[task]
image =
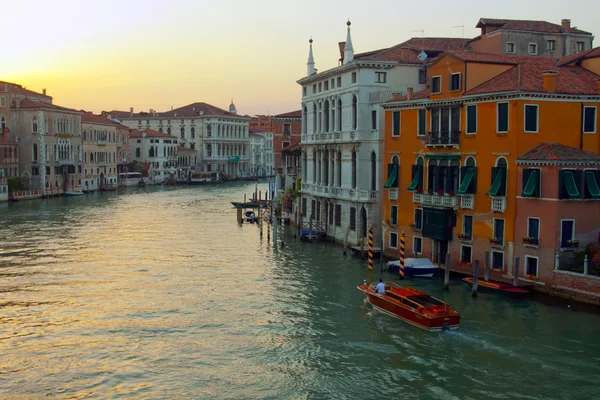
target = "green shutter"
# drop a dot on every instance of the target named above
(530, 187)
(570, 185)
(391, 177)
(591, 184)
(466, 181)
(495, 190)
(416, 180)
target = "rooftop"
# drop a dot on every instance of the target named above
(558, 152)
(16, 88)
(407, 52)
(292, 114)
(528, 26)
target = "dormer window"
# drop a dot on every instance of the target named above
(455, 82)
(532, 49)
(436, 84)
(510, 48)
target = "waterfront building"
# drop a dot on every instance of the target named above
(187, 159)
(157, 148)
(9, 163)
(261, 153)
(341, 134)
(101, 151)
(533, 38)
(452, 181)
(49, 138)
(219, 137)
(287, 131)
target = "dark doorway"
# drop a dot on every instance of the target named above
(363, 217)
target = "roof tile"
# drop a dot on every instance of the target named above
(558, 152)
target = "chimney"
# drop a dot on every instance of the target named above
(44, 92)
(130, 112)
(409, 93)
(566, 25)
(549, 81)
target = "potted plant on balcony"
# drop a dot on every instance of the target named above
(463, 236)
(529, 240)
(495, 241)
(572, 243)
(450, 193)
(419, 190)
(440, 192)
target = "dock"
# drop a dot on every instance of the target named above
(376, 250)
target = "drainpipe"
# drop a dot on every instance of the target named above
(581, 130)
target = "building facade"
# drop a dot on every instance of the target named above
(101, 151)
(261, 153)
(533, 38)
(341, 135)
(157, 148)
(9, 163)
(452, 181)
(287, 131)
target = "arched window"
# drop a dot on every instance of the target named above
(91, 157)
(314, 117)
(304, 166)
(209, 150)
(151, 152)
(304, 119)
(326, 168)
(193, 132)
(353, 169)
(169, 130)
(326, 117)
(165, 151)
(34, 124)
(182, 130)
(35, 152)
(339, 115)
(209, 130)
(339, 169)
(354, 112)
(373, 171)
(470, 162)
(2, 124)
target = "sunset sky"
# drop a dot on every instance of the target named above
(105, 55)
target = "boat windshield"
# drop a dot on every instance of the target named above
(426, 301)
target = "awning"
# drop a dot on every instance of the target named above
(531, 184)
(415, 181)
(570, 185)
(390, 182)
(495, 189)
(466, 182)
(441, 156)
(591, 184)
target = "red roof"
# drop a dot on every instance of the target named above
(527, 76)
(423, 94)
(195, 109)
(27, 103)
(591, 53)
(477, 57)
(134, 133)
(15, 88)
(529, 26)
(292, 114)
(408, 51)
(185, 149)
(558, 152)
(88, 117)
(291, 148)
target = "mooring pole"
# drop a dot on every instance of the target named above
(486, 267)
(447, 272)
(475, 278)
(516, 272)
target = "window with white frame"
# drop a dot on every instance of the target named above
(532, 114)
(417, 245)
(418, 218)
(381, 77)
(510, 47)
(531, 266)
(502, 117)
(393, 240)
(497, 260)
(436, 84)
(2, 101)
(589, 119)
(472, 118)
(394, 215)
(532, 48)
(466, 254)
(467, 228)
(455, 82)
(580, 47)
(551, 45)
(533, 230)
(567, 233)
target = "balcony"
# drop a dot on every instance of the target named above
(443, 139)
(340, 193)
(393, 194)
(417, 197)
(467, 201)
(101, 142)
(499, 204)
(436, 200)
(119, 144)
(65, 162)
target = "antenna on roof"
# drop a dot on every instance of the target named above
(462, 30)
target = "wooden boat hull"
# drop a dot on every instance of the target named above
(440, 322)
(498, 287)
(247, 205)
(73, 194)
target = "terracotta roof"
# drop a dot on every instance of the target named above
(477, 57)
(527, 76)
(258, 129)
(407, 52)
(591, 53)
(117, 114)
(291, 148)
(88, 117)
(185, 149)
(558, 152)
(292, 114)
(27, 103)
(15, 88)
(5, 140)
(195, 109)
(423, 94)
(134, 133)
(525, 25)
(255, 134)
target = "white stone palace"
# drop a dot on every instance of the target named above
(342, 131)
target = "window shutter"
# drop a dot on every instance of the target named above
(526, 173)
(414, 169)
(430, 174)
(397, 180)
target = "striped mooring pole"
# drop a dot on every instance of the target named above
(371, 247)
(402, 253)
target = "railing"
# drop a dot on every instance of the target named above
(102, 163)
(393, 194)
(119, 144)
(498, 204)
(10, 161)
(417, 197)
(438, 200)
(101, 142)
(443, 138)
(467, 201)
(65, 162)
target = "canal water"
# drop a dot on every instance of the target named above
(158, 293)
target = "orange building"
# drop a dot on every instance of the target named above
(287, 131)
(452, 178)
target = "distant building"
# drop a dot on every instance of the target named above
(261, 153)
(9, 163)
(157, 148)
(287, 131)
(534, 38)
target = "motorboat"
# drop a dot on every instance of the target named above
(250, 204)
(412, 306)
(74, 193)
(419, 267)
(250, 216)
(499, 287)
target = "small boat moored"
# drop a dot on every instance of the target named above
(412, 306)
(74, 193)
(419, 267)
(498, 287)
(250, 216)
